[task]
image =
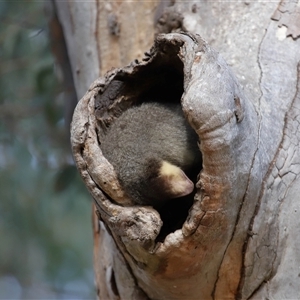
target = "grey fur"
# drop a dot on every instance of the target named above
(140, 139)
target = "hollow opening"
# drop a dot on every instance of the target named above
(173, 214)
(161, 80)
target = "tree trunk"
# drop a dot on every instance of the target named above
(240, 83)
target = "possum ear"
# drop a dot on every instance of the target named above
(174, 181)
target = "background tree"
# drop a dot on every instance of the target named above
(40, 256)
(240, 239)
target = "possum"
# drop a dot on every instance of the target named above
(154, 151)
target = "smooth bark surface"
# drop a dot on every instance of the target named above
(240, 239)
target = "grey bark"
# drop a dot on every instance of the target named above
(241, 95)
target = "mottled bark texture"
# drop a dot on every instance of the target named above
(240, 238)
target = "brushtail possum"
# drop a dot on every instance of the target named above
(154, 151)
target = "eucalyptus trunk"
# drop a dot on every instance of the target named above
(235, 66)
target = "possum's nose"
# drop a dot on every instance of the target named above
(175, 180)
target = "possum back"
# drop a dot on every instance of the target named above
(153, 149)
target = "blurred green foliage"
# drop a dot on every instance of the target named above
(45, 211)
